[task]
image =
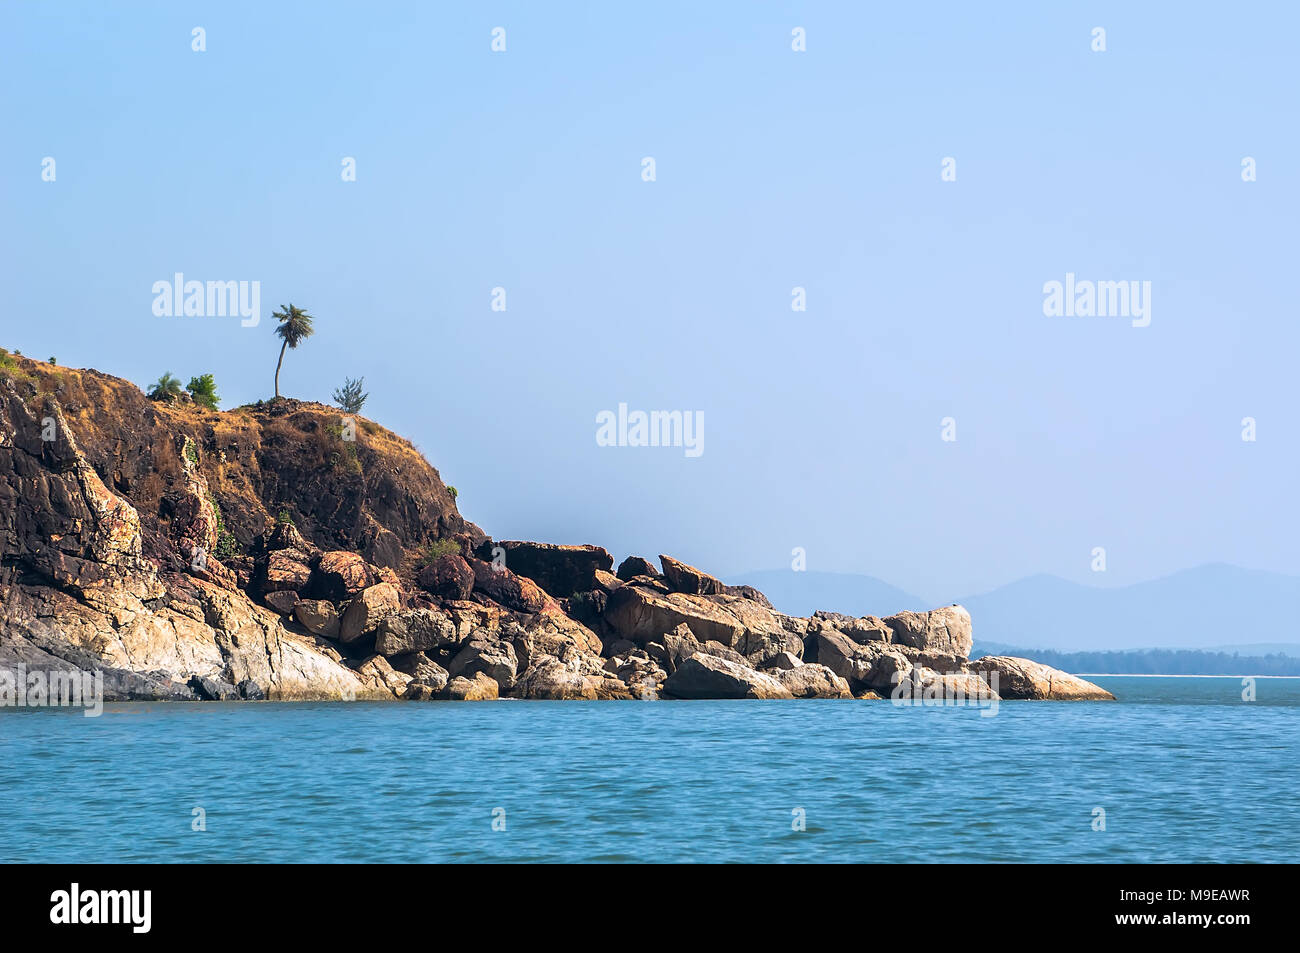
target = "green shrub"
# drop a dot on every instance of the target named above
(439, 547)
(203, 390)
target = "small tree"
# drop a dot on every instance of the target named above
(350, 396)
(167, 388)
(204, 391)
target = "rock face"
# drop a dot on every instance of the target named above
(940, 630)
(254, 554)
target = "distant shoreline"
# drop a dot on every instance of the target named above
(1154, 675)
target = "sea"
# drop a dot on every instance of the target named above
(1178, 769)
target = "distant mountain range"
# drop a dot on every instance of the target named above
(1217, 607)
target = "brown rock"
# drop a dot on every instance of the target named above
(281, 602)
(813, 681)
(940, 630)
(476, 689)
(689, 580)
(1019, 678)
(635, 566)
(511, 590)
(705, 676)
(341, 575)
(560, 570)
(552, 679)
(318, 616)
(370, 607)
(416, 630)
(448, 576)
(287, 569)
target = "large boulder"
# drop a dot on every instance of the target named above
(689, 580)
(448, 576)
(642, 616)
(508, 588)
(494, 658)
(552, 679)
(1020, 678)
(812, 681)
(706, 676)
(341, 575)
(422, 669)
(370, 607)
(635, 566)
(415, 630)
(318, 616)
(480, 688)
(560, 570)
(286, 569)
(940, 630)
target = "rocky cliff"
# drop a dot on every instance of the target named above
(284, 551)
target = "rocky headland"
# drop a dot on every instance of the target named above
(258, 553)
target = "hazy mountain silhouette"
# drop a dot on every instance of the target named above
(1216, 606)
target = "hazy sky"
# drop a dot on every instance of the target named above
(775, 169)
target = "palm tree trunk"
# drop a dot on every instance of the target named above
(277, 369)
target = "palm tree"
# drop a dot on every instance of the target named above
(295, 327)
(167, 388)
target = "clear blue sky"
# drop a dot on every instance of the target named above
(775, 169)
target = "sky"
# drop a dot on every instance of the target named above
(774, 169)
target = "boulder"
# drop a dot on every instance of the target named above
(781, 660)
(1019, 678)
(341, 575)
(635, 566)
(642, 616)
(422, 669)
(940, 630)
(494, 658)
(689, 580)
(509, 589)
(706, 676)
(864, 629)
(415, 630)
(318, 616)
(376, 672)
(813, 681)
(287, 569)
(448, 576)
(285, 535)
(478, 688)
(370, 607)
(638, 672)
(748, 592)
(560, 570)
(552, 679)
(281, 602)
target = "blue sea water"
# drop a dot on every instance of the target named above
(1184, 769)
